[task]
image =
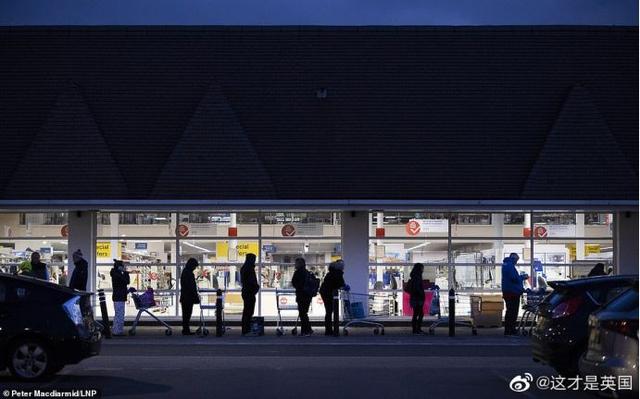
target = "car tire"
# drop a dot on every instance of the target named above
(30, 359)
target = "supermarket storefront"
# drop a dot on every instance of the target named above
(384, 146)
(461, 250)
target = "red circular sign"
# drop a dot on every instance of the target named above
(288, 230)
(283, 300)
(182, 230)
(64, 231)
(540, 232)
(412, 228)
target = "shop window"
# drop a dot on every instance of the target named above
(428, 251)
(133, 224)
(217, 224)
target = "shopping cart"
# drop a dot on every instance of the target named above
(529, 317)
(445, 320)
(144, 303)
(286, 300)
(354, 313)
(208, 298)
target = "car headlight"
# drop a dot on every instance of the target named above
(72, 309)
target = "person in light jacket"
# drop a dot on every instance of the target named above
(250, 288)
(119, 281)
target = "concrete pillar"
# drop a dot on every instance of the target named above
(355, 252)
(626, 242)
(82, 235)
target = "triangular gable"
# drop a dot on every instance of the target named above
(580, 157)
(214, 157)
(68, 151)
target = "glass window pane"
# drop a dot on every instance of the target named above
(135, 251)
(217, 251)
(158, 277)
(410, 224)
(53, 252)
(408, 251)
(488, 225)
(314, 251)
(301, 224)
(136, 224)
(488, 251)
(219, 224)
(24, 225)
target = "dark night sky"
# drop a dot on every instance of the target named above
(318, 12)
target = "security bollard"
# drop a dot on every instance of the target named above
(104, 313)
(336, 313)
(452, 313)
(219, 320)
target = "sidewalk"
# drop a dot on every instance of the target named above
(147, 335)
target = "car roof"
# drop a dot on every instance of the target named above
(42, 283)
(587, 282)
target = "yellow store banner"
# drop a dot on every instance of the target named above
(242, 249)
(103, 249)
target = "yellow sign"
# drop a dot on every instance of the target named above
(242, 249)
(588, 250)
(103, 249)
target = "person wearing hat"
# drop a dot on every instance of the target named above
(250, 288)
(80, 272)
(512, 290)
(333, 281)
(119, 281)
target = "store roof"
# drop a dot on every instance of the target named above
(319, 113)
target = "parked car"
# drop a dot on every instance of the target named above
(44, 326)
(560, 336)
(613, 341)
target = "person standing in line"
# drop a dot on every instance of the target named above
(38, 269)
(512, 290)
(302, 298)
(250, 288)
(416, 297)
(80, 273)
(119, 281)
(334, 280)
(188, 294)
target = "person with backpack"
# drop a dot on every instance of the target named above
(119, 281)
(305, 284)
(334, 280)
(250, 288)
(80, 272)
(415, 290)
(188, 294)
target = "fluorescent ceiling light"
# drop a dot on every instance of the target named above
(196, 247)
(424, 244)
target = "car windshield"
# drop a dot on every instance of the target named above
(625, 302)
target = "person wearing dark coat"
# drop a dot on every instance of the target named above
(416, 297)
(188, 294)
(38, 269)
(250, 288)
(598, 270)
(80, 272)
(119, 282)
(334, 280)
(302, 298)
